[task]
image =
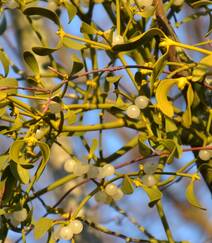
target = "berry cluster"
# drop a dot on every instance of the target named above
(133, 111)
(111, 192)
(149, 169)
(94, 172)
(17, 216)
(67, 232)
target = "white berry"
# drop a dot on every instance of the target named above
(20, 215)
(118, 196)
(111, 189)
(149, 180)
(108, 170)
(76, 226)
(69, 165)
(133, 111)
(204, 155)
(102, 197)
(66, 233)
(141, 102)
(92, 171)
(80, 169)
(150, 167)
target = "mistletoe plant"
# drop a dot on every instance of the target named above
(50, 100)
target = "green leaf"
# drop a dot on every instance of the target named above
(77, 65)
(93, 147)
(31, 62)
(127, 186)
(71, 9)
(46, 154)
(143, 148)
(139, 40)
(170, 125)
(15, 150)
(158, 69)
(88, 29)
(190, 195)
(73, 44)
(43, 51)
(2, 189)
(154, 194)
(44, 12)
(113, 79)
(187, 116)
(71, 117)
(5, 62)
(8, 83)
(3, 24)
(19, 172)
(41, 227)
(207, 61)
(161, 96)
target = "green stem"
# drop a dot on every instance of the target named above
(164, 222)
(87, 128)
(118, 17)
(93, 43)
(185, 46)
(53, 186)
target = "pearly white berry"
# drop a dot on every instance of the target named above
(133, 111)
(210, 151)
(149, 180)
(150, 167)
(102, 197)
(80, 169)
(204, 155)
(76, 226)
(70, 165)
(141, 102)
(65, 233)
(118, 196)
(92, 171)
(111, 189)
(108, 170)
(19, 215)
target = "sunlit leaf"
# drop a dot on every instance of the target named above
(127, 186)
(41, 227)
(77, 65)
(43, 51)
(5, 62)
(6, 85)
(88, 29)
(71, 9)
(186, 118)
(113, 79)
(190, 195)
(161, 96)
(73, 44)
(20, 173)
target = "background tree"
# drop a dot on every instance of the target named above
(105, 121)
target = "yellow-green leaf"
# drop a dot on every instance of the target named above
(5, 62)
(31, 62)
(161, 96)
(127, 186)
(41, 227)
(42, 12)
(73, 44)
(15, 150)
(7, 84)
(187, 116)
(190, 195)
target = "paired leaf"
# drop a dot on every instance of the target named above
(143, 148)
(41, 227)
(43, 51)
(113, 79)
(20, 173)
(15, 150)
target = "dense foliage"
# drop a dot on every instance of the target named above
(165, 98)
